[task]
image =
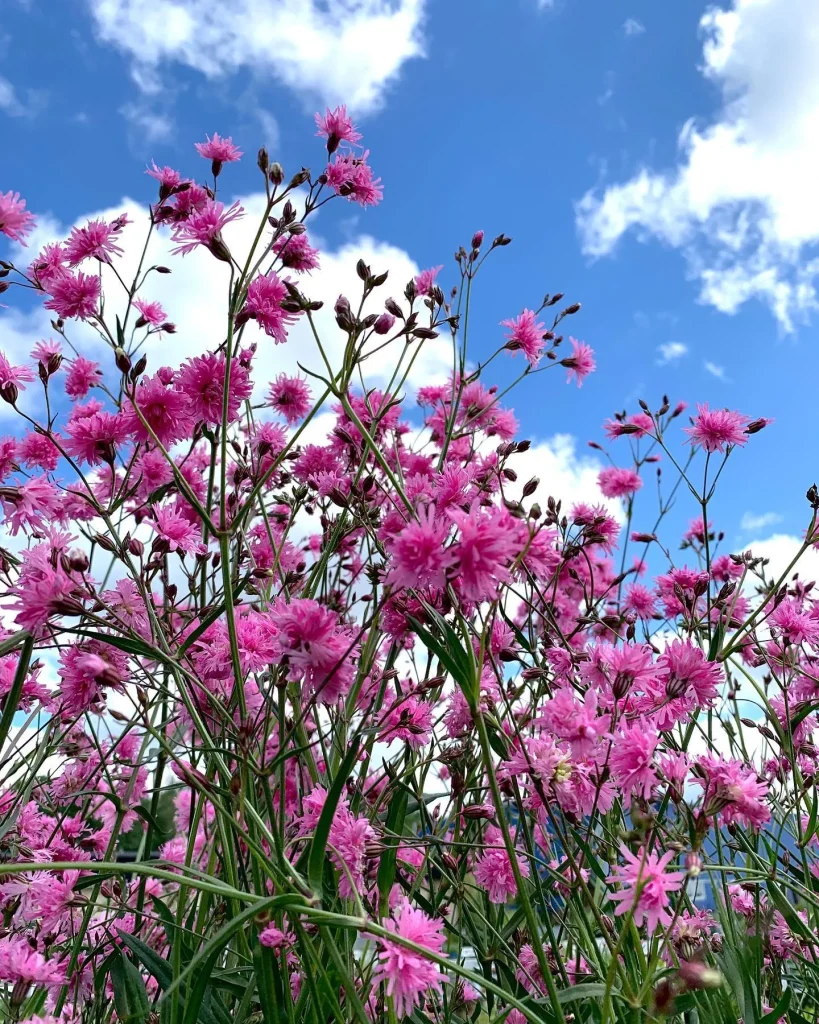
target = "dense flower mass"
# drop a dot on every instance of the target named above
(318, 702)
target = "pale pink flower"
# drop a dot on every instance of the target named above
(178, 532)
(425, 280)
(632, 760)
(646, 886)
(263, 304)
(204, 227)
(94, 240)
(151, 314)
(82, 375)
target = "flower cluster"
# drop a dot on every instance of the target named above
(353, 722)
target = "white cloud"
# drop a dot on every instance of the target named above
(741, 204)
(671, 351)
(751, 522)
(633, 27)
(147, 125)
(564, 475)
(780, 549)
(714, 370)
(194, 298)
(12, 104)
(333, 51)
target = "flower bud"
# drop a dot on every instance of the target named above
(384, 323)
(9, 392)
(122, 360)
(276, 173)
(477, 240)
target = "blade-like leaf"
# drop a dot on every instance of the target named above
(315, 861)
(130, 994)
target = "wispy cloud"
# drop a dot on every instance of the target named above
(671, 351)
(14, 105)
(751, 522)
(633, 27)
(151, 126)
(714, 370)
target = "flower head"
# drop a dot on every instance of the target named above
(264, 297)
(646, 885)
(581, 363)
(337, 127)
(713, 429)
(408, 975)
(219, 150)
(526, 335)
(73, 295)
(15, 220)
(290, 397)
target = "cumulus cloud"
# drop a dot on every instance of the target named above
(780, 549)
(331, 51)
(741, 202)
(671, 352)
(194, 296)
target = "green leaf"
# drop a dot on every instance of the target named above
(130, 995)
(157, 967)
(315, 861)
(269, 986)
(196, 993)
(779, 1010)
(138, 648)
(163, 912)
(11, 643)
(588, 990)
(394, 826)
(14, 694)
(716, 641)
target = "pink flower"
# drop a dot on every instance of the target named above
(167, 177)
(320, 650)
(408, 975)
(616, 482)
(487, 543)
(409, 721)
(526, 335)
(263, 304)
(19, 376)
(202, 379)
(713, 429)
(73, 295)
(20, 964)
(94, 439)
(581, 363)
(493, 870)
(39, 450)
(218, 149)
(290, 397)
(15, 220)
(166, 410)
(636, 425)
(353, 177)
(336, 127)
(646, 887)
(178, 532)
(418, 555)
(684, 667)
(296, 253)
(640, 601)
(204, 227)
(426, 279)
(150, 313)
(82, 375)
(734, 792)
(95, 240)
(632, 760)
(272, 937)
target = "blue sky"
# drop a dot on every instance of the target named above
(644, 156)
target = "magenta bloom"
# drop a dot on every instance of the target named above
(615, 482)
(74, 295)
(646, 885)
(19, 963)
(426, 279)
(713, 429)
(202, 379)
(219, 149)
(419, 557)
(82, 375)
(179, 533)
(581, 363)
(95, 240)
(263, 304)
(296, 253)
(525, 335)
(353, 177)
(337, 127)
(166, 409)
(684, 667)
(408, 975)
(94, 439)
(204, 227)
(151, 314)
(487, 544)
(15, 220)
(493, 870)
(632, 760)
(290, 397)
